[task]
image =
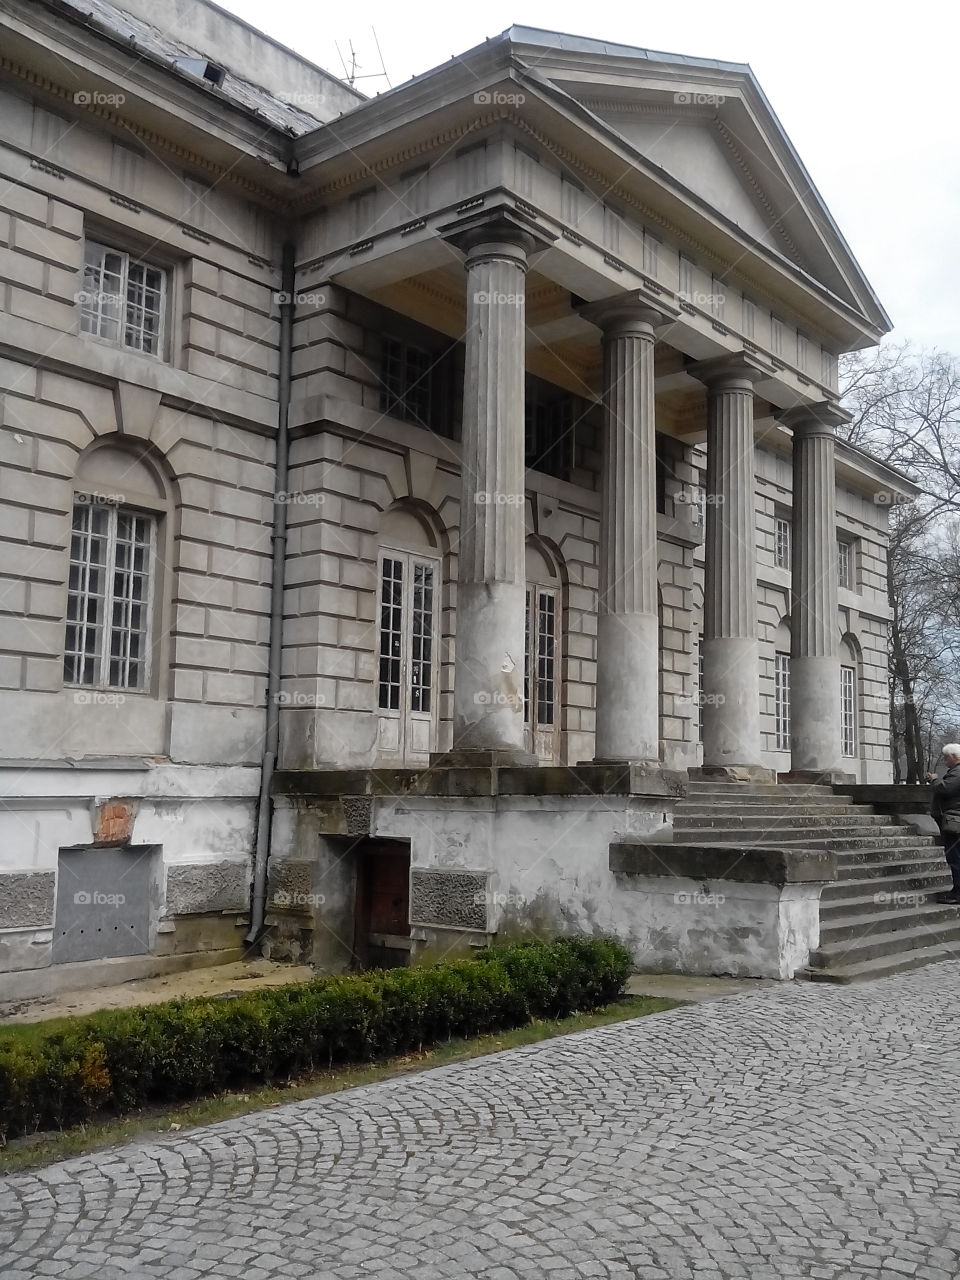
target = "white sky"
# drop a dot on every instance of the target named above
(869, 94)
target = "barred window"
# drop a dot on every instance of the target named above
(123, 299)
(781, 674)
(112, 552)
(406, 377)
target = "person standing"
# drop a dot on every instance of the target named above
(945, 811)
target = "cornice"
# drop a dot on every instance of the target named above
(123, 124)
(758, 192)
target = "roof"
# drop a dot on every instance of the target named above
(166, 47)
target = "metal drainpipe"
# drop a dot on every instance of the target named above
(258, 902)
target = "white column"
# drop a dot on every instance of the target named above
(488, 672)
(628, 640)
(731, 647)
(814, 620)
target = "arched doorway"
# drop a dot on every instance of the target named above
(409, 582)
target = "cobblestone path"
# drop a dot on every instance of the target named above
(800, 1131)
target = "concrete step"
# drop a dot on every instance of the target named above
(885, 918)
(854, 819)
(797, 837)
(739, 790)
(853, 890)
(873, 944)
(881, 966)
(862, 872)
(724, 811)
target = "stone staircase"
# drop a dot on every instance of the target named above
(879, 916)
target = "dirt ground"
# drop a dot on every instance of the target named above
(218, 980)
(243, 976)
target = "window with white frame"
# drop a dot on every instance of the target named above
(651, 254)
(845, 563)
(781, 676)
(700, 688)
(540, 665)
(848, 710)
(749, 318)
(109, 601)
(688, 278)
(123, 300)
(407, 619)
(781, 542)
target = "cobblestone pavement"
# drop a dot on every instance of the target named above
(802, 1131)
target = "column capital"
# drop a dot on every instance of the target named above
(637, 311)
(815, 419)
(730, 370)
(497, 228)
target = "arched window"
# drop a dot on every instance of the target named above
(114, 600)
(781, 687)
(541, 679)
(409, 585)
(849, 698)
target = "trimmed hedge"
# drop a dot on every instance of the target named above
(120, 1060)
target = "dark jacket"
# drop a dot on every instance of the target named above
(946, 797)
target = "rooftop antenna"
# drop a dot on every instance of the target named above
(351, 73)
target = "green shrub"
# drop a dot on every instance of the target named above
(125, 1059)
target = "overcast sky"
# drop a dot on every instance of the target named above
(869, 94)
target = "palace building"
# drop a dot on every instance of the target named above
(404, 498)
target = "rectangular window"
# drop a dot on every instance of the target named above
(844, 564)
(781, 543)
(700, 688)
(848, 710)
(391, 633)
(570, 196)
(109, 597)
(651, 254)
(776, 335)
(123, 299)
(781, 673)
(549, 434)
(540, 665)
(413, 192)
(406, 381)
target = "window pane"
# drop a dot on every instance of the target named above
(391, 597)
(86, 601)
(546, 657)
(421, 626)
(782, 700)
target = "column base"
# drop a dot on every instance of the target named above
(818, 777)
(484, 758)
(733, 773)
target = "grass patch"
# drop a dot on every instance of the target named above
(45, 1148)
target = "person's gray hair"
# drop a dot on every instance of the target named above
(951, 749)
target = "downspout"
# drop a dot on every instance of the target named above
(258, 903)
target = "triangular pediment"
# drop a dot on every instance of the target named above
(708, 127)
